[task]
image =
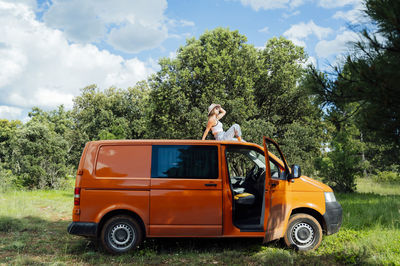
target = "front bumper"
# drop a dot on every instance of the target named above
(333, 217)
(83, 229)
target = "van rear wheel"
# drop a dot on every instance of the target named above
(121, 234)
(304, 232)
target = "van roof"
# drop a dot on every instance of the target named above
(180, 142)
(173, 141)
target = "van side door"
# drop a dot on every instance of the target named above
(186, 191)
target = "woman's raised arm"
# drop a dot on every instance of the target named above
(221, 114)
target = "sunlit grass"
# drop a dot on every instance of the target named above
(367, 185)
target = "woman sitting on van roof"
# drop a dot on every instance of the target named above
(215, 113)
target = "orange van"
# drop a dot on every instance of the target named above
(127, 190)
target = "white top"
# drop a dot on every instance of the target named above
(217, 128)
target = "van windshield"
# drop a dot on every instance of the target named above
(257, 158)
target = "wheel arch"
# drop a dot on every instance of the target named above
(318, 216)
(121, 212)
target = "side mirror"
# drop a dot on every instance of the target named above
(296, 171)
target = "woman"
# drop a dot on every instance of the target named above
(215, 113)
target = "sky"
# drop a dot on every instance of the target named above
(51, 49)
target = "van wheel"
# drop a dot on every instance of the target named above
(121, 234)
(304, 232)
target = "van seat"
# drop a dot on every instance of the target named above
(245, 198)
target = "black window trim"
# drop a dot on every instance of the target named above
(217, 171)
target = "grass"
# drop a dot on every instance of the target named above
(33, 231)
(366, 185)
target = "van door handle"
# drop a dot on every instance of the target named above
(210, 185)
(273, 185)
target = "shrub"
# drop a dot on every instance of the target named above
(7, 179)
(340, 166)
(387, 177)
(39, 156)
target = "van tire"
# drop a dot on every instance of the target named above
(121, 234)
(303, 232)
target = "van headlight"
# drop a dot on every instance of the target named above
(329, 197)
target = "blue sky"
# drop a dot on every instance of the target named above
(49, 50)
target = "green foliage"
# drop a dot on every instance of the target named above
(218, 67)
(7, 130)
(340, 166)
(39, 156)
(36, 154)
(278, 97)
(109, 114)
(7, 179)
(387, 177)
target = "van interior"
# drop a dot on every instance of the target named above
(246, 169)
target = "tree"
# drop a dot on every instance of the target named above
(112, 113)
(276, 86)
(370, 76)
(39, 156)
(7, 130)
(109, 114)
(286, 105)
(339, 167)
(218, 67)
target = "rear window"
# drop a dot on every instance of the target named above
(184, 161)
(123, 161)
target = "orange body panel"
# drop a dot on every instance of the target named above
(116, 175)
(96, 203)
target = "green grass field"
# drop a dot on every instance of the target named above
(33, 231)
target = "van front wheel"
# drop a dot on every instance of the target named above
(304, 232)
(121, 234)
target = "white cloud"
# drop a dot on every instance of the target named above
(296, 3)
(264, 30)
(134, 38)
(11, 113)
(337, 3)
(40, 67)
(173, 23)
(12, 62)
(326, 48)
(265, 4)
(299, 32)
(186, 23)
(129, 26)
(272, 4)
(292, 4)
(288, 15)
(354, 16)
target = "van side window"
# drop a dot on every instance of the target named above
(184, 161)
